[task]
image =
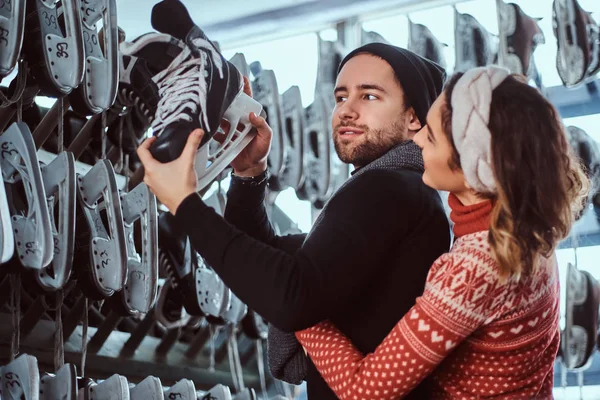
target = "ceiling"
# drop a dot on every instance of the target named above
(234, 21)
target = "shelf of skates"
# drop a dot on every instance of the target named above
(91, 265)
(22, 380)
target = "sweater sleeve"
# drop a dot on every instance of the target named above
(342, 255)
(246, 211)
(456, 302)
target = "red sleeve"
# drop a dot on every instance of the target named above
(453, 305)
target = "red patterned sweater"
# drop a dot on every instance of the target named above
(476, 336)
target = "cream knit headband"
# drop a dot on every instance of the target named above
(470, 102)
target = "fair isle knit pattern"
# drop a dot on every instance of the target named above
(479, 337)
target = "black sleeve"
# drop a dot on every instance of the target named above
(246, 211)
(340, 256)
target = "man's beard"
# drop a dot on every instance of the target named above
(374, 144)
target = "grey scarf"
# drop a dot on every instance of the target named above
(287, 359)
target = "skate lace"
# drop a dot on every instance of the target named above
(183, 85)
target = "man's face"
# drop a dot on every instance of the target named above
(369, 117)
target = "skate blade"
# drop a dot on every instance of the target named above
(574, 338)
(209, 166)
(12, 24)
(265, 91)
(184, 390)
(425, 44)
(100, 83)
(140, 291)
(62, 53)
(317, 151)
(570, 61)
(59, 183)
(32, 232)
(61, 386)
(239, 62)
(149, 389)
(21, 379)
(97, 191)
(468, 53)
(236, 312)
(507, 24)
(213, 297)
(294, 121)
(7, 238)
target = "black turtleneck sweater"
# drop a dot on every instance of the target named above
(362, 266)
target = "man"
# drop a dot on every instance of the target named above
(367, 256)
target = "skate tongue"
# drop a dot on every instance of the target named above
(171, 17)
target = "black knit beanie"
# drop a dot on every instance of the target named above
(421, 79)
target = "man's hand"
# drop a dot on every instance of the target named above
(174, 181)
(252, 161)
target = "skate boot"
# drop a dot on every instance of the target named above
(101, 249)
(59, 184)
(98, 90)
(137, 97)
(581, 315)
(175, 257)
(198, 90)
(21, 379)
(474, 45)
(31, 221)
(12, 25)
(61, 386)
(169, 310)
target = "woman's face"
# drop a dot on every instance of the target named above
(437, 153)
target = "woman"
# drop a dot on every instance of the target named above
(487, 322)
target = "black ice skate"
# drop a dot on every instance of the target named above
(199, 89)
